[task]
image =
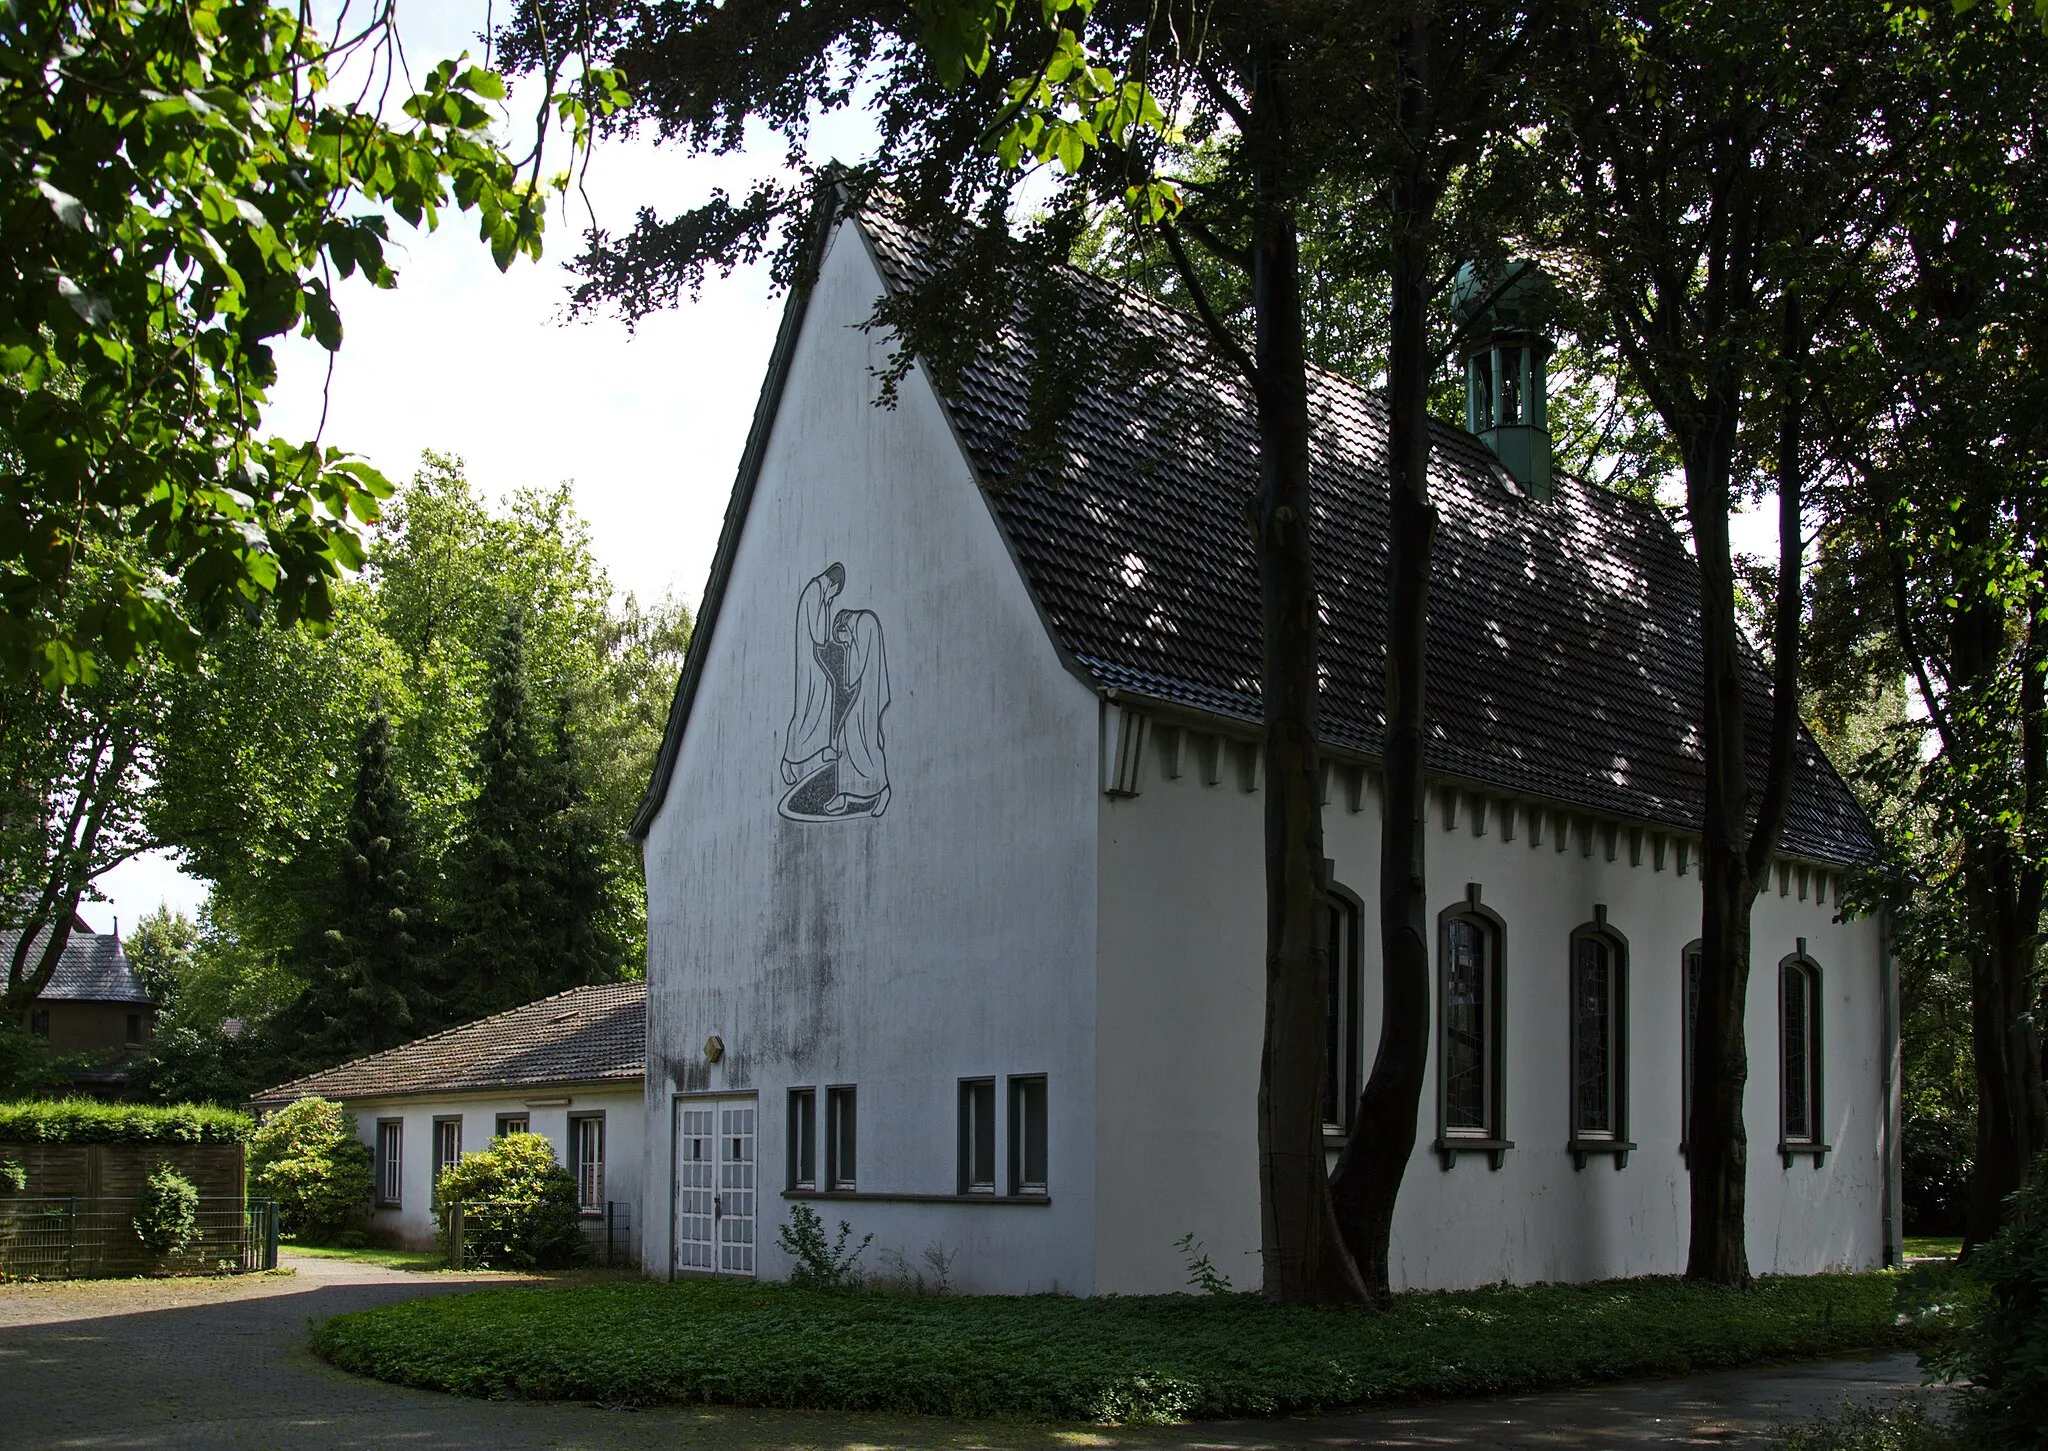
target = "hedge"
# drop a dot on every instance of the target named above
(89, 1121)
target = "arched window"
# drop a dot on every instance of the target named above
(1341, 1082)
(1471, 1061)
(1599, 1042)
(1799, 1058)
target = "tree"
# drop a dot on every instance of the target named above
(503, 873)
(1713, 169)
(368, 987)
(180, 187)
(253, 782)
(72, 774)
(1939, 539)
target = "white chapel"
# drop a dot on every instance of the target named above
(953, 853)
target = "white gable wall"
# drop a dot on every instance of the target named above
(952, 935)
(1181, 1017)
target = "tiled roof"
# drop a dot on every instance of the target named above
(93, 969)
(585, 1035)
(1564, 642)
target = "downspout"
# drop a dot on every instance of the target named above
(1888, 1053)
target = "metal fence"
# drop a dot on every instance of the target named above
(76, 1239)
(470, 1229)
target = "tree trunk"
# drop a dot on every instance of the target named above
(1717, 1144)
(2004, 1003)
(1304, 1257)
(1368, 1176)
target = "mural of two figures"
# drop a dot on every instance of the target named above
(833, 761)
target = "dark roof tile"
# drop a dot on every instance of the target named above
(1564, 640)
(585, 1035)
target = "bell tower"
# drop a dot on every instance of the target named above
(1506, 354)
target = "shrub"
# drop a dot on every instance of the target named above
(13, 1177)
(88, 1121)
(307, 1157)
(819, 1265)
(520, 1205)
(167, 1212)
(1908, 1424)
(2003, 1351)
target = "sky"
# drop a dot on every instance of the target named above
(645, 424)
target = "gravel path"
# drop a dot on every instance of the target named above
(206, 1363)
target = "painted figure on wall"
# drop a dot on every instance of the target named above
(833, 758)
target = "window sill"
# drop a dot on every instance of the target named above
(1583, 1149)
(876, 1197)
(1451, 1145)
(1815, 1151)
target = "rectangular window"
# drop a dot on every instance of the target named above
(803, 1138)
(447, 1148)
(135, 1027)
(1027, 1134)
(512, 1123)
(39, 1022)
(977, 1136)
(390, 1161)
(586, 1154)
(1468, 1030)
(842, 1162)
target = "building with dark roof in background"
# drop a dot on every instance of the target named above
(567, 1067)
(954, 847)
(94, 1009)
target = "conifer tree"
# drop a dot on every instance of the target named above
(502, 873)
(369, 988)
(586, 943)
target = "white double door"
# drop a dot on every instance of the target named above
(715, 1184)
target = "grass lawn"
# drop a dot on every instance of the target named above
(1112, 1359)
(389, 1259)
(1917, 1245)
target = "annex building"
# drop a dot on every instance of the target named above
(954, 861)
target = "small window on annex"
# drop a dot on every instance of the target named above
(390, 1161)
(1341, 917)
(586, 1160)
(134, 1028)
(1027, 1134)
(977, 1136)
(1599, 1042)
(842, 1163)
(447, 1146)
(1799, 1056)
(1471, 1056)
(39, 1022)
(803, 1138)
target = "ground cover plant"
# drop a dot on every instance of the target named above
(386, 1259)
(1111, 1359)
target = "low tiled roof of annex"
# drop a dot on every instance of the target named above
(1564, 636)
(93, 969)
(585, 1035)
